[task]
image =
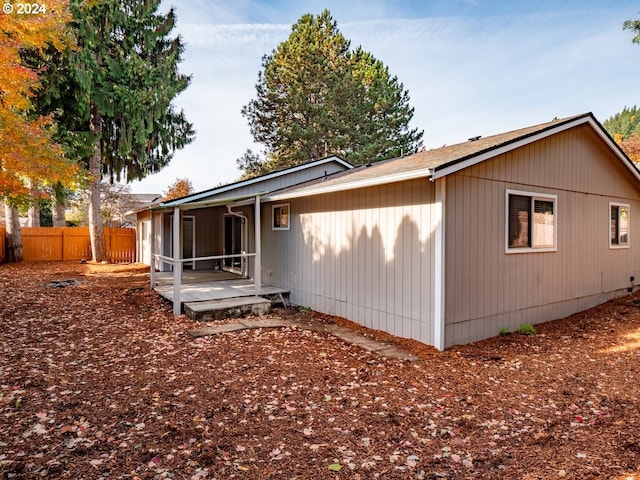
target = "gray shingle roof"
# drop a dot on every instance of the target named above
(441, 161)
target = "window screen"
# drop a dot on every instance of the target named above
(531, 222)
(619, 225)
(519, 224)
(281, 217)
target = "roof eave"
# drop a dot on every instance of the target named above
(460, 164)
(207, 203)
(225, 188)
(369, 182)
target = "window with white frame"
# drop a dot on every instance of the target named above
(619, 225)
(531, 222)
(280, 217)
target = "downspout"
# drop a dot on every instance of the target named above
(177, 262)
(152, 244)
(257, 274)
(245, 235)
(439, 326)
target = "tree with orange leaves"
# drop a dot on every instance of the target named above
(180, 188)
(28, 155)
(631, 146)
(624, 127)
(26, 148)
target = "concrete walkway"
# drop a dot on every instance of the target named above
(380, 348)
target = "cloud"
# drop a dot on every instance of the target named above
(471, 68)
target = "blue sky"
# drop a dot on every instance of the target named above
(471, 67)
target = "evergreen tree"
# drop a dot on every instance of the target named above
(317, 97)
(624, 124)
(113, 95)
(634, 26)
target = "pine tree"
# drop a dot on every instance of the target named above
(317, 97)
(125, 74)
(623, 124)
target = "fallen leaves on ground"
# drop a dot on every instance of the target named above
(99, 380)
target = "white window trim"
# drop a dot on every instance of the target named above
(273, 213)
(534, 196)
(614, 246)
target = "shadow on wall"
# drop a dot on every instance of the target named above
(374, 267)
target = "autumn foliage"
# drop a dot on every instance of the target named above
(631, 147)
(180, 188)
(27, 151)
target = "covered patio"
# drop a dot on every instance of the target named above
(181, 286)
(204, 286)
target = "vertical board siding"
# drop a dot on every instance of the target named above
(488, 289)
(365, 254)
(73, 243)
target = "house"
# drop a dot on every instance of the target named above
(218, 222)
(449, 246)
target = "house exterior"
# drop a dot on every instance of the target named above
(219, 221)
(449, 246)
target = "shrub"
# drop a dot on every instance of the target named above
(526, 329)
(504, 331)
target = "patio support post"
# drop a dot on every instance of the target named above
(177, 264)
(257, 273)
(152, 268)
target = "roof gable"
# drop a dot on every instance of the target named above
(255, 182)
(440, 162)
(502, 143)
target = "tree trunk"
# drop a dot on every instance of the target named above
(33, 216)
(59, 214)
(14, 234)
(58, 207)
(96, 233)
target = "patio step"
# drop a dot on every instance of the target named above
(227, 308)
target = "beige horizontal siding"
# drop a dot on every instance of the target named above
(365, 255)
(487, 289)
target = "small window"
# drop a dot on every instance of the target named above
(618, 225)
(531, 222)
(281, 217)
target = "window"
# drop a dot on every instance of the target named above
(281, 217)
(618, 225)
(531, 222)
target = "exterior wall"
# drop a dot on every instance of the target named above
(488, 289)
(209, 221)
(143, 237)
(209, 234)
(366, 255)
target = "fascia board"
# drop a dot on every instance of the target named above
(369, 182)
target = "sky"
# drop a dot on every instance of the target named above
(471, 67)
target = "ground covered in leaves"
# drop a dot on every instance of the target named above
(99, 380)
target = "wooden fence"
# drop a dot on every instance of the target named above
(3, 235)
(72, 243)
